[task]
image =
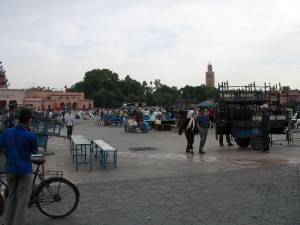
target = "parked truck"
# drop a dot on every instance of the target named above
(237, 112)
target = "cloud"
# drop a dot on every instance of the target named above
(161, 39)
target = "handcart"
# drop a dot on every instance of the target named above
(44, 128)
(130, 125)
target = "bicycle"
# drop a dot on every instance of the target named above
(55, 197)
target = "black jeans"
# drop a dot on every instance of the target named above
(221, 138)
(265, 138)
(69, 130)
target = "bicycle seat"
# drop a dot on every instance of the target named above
(38, 161)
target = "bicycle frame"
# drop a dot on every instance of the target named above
(36, 175)
(2, 182)
(48, 192)
(41, 176)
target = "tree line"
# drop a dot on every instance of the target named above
(108, 90)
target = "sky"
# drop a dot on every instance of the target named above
(54, 43)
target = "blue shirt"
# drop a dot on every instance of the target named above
(203, 120)
(19, 143)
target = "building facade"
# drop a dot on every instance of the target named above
(41, 99)
(289, 97)
(10, 98)
(210, 76)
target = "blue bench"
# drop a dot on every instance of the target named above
(102, 150)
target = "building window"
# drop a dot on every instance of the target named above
(12, 105)
(3, 104)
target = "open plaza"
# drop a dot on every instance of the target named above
(157, 182)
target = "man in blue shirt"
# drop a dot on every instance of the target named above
(19, 143)
(202, 124)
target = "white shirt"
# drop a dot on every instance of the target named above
(69, 119)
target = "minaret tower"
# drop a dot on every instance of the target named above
(210, 76)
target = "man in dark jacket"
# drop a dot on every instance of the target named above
(265, 127)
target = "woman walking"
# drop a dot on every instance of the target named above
(190, 129)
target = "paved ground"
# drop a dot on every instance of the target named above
(225, 186)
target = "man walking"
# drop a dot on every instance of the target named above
(222, 129)
(69, 121)
(202, 124)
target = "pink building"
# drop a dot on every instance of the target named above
(9, 98)
(290, 96)
(40, 99)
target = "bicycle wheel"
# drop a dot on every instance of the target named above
(2, 204)
(57, 197)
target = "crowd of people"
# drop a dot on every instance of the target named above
(143, 118)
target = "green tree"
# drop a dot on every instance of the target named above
(165, 95)
(285, 88)
(3, 79)
(197, 94)
(107, 90)
(100, 85)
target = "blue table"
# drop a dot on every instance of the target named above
(81, 150)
